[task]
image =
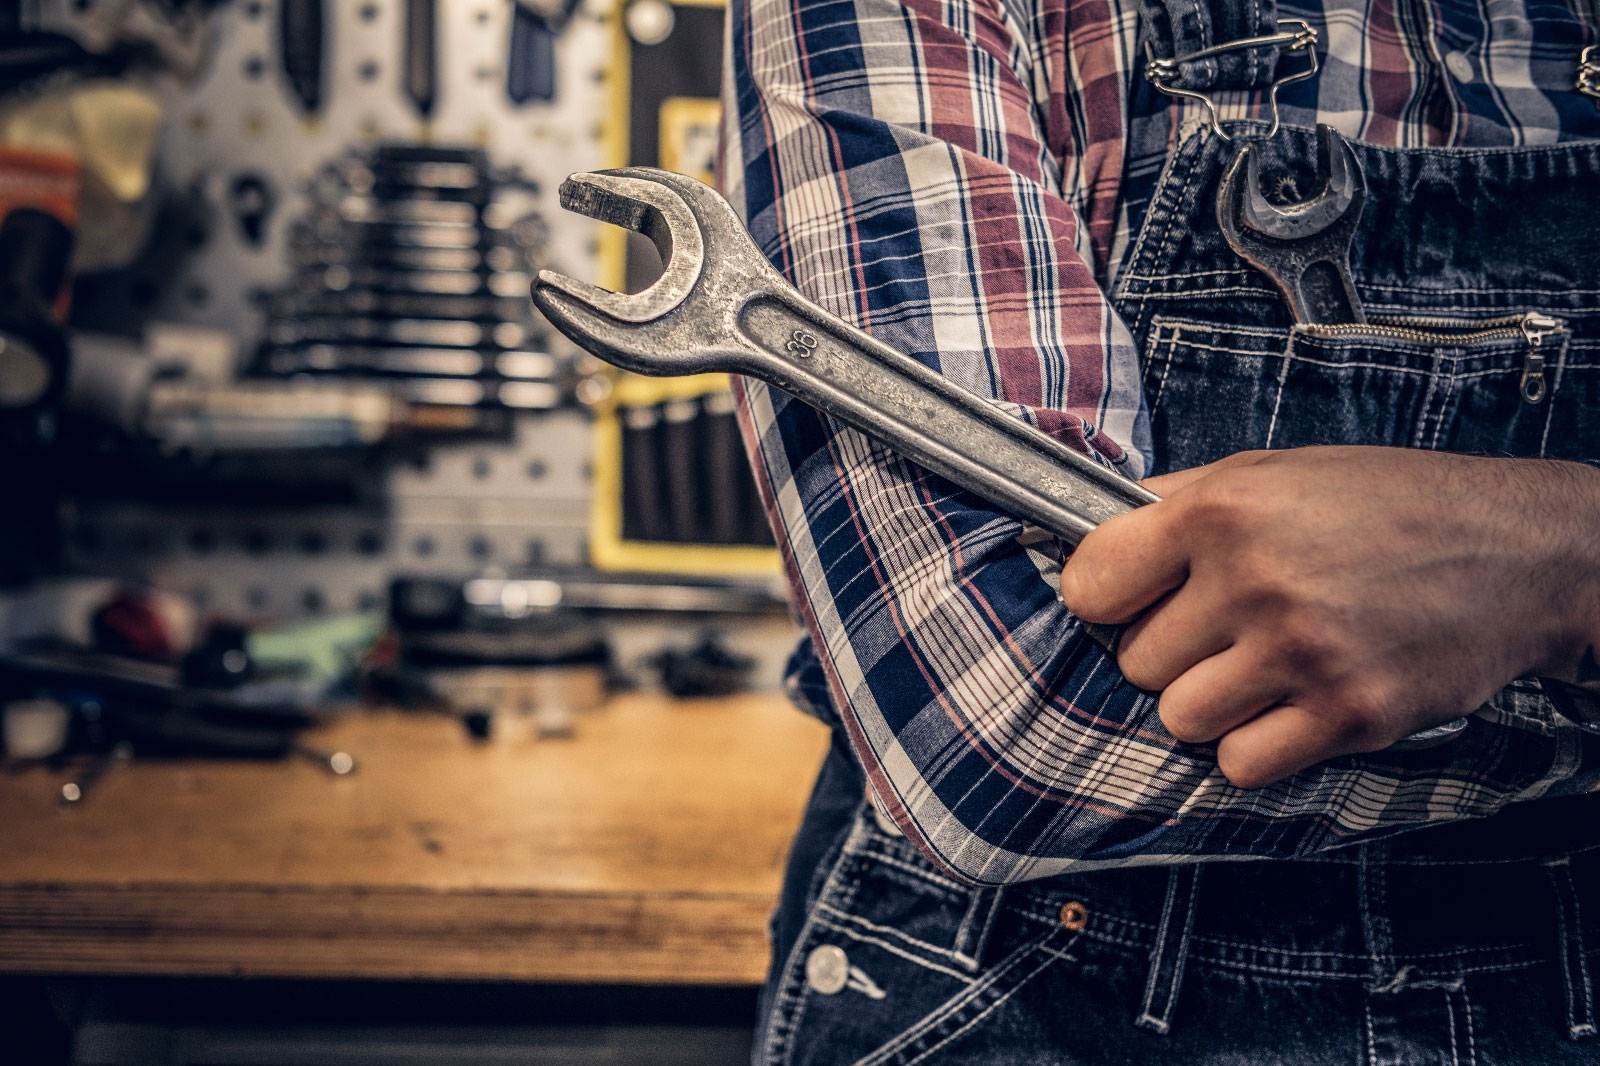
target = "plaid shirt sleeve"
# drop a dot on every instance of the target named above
(944, 173)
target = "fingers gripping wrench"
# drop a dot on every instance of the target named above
(720, 306)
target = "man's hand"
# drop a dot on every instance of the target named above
(1304, 604)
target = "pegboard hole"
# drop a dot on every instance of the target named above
(369, 600)
(422, 546)
(256, 597)
(311, 599)
(257, 541)
(253, 9)
(313, 542)
(535, 551)
(481, 469)
(254, 67)
(480, 548)
(537, 470)
(368, 71)
(202, 541)
(369, 543)
(369, 12)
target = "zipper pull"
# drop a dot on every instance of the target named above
(1535, 327)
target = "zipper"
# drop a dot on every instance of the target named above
(1531, 327)
(1535, 327)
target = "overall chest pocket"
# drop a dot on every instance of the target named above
(1489, 386)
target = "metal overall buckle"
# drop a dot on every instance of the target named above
(1294, 35)
(1589, 71)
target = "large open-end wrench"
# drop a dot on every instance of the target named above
(720, 306)
(1303, 247)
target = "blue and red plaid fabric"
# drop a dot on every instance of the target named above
(960, 178)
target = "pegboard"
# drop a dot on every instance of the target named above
(460, 509)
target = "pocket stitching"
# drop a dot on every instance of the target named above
(883, 945)
(972, 996)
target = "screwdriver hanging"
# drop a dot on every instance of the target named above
(420, 72)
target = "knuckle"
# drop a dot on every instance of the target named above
(1361, 717)
(1309, 642)
(1140, 670)
(1224, 502)
(1184, 723)
(1241, 772)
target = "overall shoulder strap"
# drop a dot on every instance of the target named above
(1179, 29)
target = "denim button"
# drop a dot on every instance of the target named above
(827, 969)
(1460, 66)
(1074, 915)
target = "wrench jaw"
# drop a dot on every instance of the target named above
(664, 329)
(1303, 248)
(581, 312)
(1342, 187)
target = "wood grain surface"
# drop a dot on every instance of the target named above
(647, 848)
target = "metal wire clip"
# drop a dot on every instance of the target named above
(1294, 35)
(1589, 71)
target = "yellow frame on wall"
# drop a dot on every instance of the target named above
(607, 548)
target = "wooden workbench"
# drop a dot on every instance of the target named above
(647, 849)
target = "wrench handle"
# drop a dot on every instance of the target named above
(891, 397)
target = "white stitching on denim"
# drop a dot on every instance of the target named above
(963, 998)
(975, 954)
(959, 951)
(1472, 1029)
(1157, 950)
(1583, 958)
(1223, 273)
(1277, 402)
(1558, 869)
(1372, 1043)
(1450, 1015)
(927, 875)
(909, 1037)
(1163, 345)
(1555, 389)
(838, 916)
(891, 948)
(1164, 256)
(1145, 231)
(1183, 943)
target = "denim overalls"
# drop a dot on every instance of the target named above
(1468, 944)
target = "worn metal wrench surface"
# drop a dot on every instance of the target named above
(720, 306)
(1303, 247)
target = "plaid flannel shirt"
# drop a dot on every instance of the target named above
(960, 177)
